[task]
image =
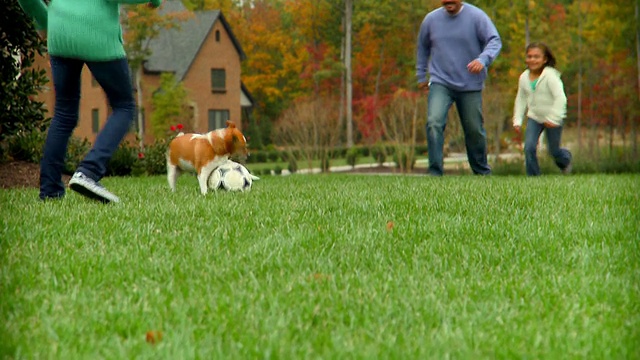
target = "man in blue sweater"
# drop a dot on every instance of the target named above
(457, 43)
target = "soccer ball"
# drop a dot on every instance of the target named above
(231, 176)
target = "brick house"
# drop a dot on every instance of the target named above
(202, 53)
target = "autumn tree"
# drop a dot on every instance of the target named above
(310, 127)
(170, 104)
(402, 118)
(142, 24)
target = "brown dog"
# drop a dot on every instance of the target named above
(202, 153)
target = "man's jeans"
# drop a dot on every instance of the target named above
(561, 156)
(469, 105)
(115, 79)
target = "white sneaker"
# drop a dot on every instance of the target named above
(90, 188)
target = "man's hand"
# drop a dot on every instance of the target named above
(424, 86)
(475, 67)
(549, 124)
(517, 128)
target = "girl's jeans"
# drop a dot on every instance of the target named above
(561, 156)
(115, 79)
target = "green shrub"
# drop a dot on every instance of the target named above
(352, 156)
(277, 170)
(273, 155)
(365, 151)
(76, 151)
(404, 159)
(339, 152)
(260, 157)
(378, 154)
(123, 160)
(421, 150)
(26, 145)
(155, 157)
(292, 165)
(20, 112)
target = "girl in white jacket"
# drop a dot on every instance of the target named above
(541, 95)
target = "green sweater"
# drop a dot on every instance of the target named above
(81, 29)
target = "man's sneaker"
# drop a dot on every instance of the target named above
(90, 188)
(567, 170)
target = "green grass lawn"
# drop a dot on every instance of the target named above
(327, 266)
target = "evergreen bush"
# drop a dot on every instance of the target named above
(18, 83)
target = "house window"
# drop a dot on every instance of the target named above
(218, 80)
(218, 119)
(217, 35)
(95, 120)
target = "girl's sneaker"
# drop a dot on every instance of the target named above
(90, 188)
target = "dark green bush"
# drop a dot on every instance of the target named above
(421, 150)
(26, 145)
(365, 151)
(292, 165)
(379, 154)
(20, 113)
(277, 170)
(273, 155)
(260, 157)
(352, 156)
(123, 160)
(155, 157)
(76, 151)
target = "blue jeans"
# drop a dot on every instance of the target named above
(469, 105)
(115, 79)
(561, 156)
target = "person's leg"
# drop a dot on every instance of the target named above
(66, 84)
(531, 137)
(439, 102)
(469, 105)
(561, 156)
(114, 78)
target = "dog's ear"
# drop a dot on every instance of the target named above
(231, 124)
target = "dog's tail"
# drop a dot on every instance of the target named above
(253, 177)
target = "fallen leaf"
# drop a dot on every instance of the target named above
(154, 336)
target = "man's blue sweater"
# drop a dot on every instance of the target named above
(447, 43)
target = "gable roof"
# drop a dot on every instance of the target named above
(246, 99)
(174, 50)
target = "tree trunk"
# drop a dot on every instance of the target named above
(347, 65)
(638, 44)
(342, 89)
(579, 76)
(634, 121)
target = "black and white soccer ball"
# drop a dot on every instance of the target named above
(231, 176)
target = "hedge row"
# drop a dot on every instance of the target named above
(130, 160)
(272, 155)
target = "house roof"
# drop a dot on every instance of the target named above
(246, 99)
(174, 50)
